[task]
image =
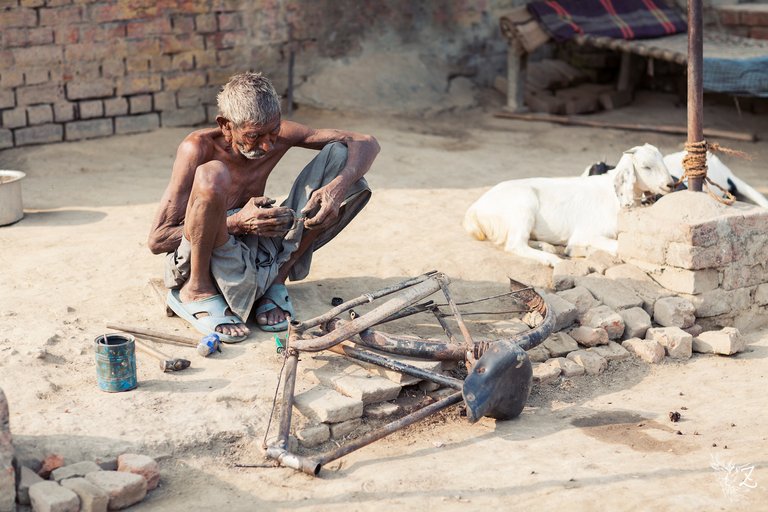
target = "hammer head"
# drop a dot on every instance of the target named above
(174, 365)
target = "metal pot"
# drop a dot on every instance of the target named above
(11, 209)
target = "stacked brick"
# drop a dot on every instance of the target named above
(708, 253)
(745, 20)
(72, 70)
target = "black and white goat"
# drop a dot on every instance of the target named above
(575, 211)
(717, 171)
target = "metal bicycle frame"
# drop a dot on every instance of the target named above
(488, 361)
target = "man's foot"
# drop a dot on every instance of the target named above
(187, 295)
(273, 308)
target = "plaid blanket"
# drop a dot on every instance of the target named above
(619, 19)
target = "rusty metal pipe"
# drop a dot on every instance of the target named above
(407, 298)
(286, 407)
(293, 461)
(412, 347)
(363, 299)
(389, 428)
(398, 366)
(695, 82)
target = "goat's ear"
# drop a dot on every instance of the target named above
(631, 151)
(624, 184)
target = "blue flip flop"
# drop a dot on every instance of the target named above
(278, 294)
(216, 308)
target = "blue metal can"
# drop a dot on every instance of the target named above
(115, 362)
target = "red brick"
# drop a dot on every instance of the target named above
(11, 78)
(184, 6)
(728, 16)
(183, 24)
(206, 23)
(115, 107)
(7, 98)
(59, 3)
(86, 89)
(140, 465)
(40, 134)
(754, 15)
(183, 61)
(136, 47)
(103, 32)
(136, 65)
(137, 124)
(140, 104)
(90, 109)
(226, 58)
(184, 116)
(33, 76)
(112, 68)
(152, 27)
(165, 100)
(32, 3)
(39, 114)
(92, 52)
(81, 70)
(35, 94)
(63, 111)
(159, 63)
(61, 15)
(15, 37)
(78, 130)
(6, 59)
(123, 10)
(37, 55)
(138, 84)
(15, 118)
(204, 59)
(66, 35)
(227, 5)
(177, 81)
(189, 97)
(230, 21)
(51, 462)
(18, 18)
(758, 32)
(181, 43)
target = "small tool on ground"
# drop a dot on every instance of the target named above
(208, 345)
(167, 364)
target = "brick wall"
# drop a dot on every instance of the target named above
(77, 69)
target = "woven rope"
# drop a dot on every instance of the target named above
(695, 165)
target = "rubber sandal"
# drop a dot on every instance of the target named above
(278, 294)
(216, 308)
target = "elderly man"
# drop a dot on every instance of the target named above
(229, 248)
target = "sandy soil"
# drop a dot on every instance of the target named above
(79, 259)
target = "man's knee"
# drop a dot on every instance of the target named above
(337, 153)
(211, 178)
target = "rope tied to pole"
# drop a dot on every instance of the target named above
(695, 165)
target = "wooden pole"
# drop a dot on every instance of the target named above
(695, 84)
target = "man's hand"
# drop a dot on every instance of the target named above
(258, 217)
(323, 206)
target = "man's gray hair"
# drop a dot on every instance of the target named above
(248, 97)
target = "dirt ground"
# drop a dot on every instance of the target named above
(79, 260)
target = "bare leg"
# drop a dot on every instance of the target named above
(277, 315)
(205, 226)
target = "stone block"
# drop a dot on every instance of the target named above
(579, 297)
(47, 496)
(726, 341)
(565, 312)
(641, 247)
(312, 436)
(137, 124)
(39, 114)
(676, 342)
(381, 410)
(720, 302)
(115, 107)
(636, 322)
(36, 94)
(6, 138)
(694, 330)
(742, 275)
(605, 318)
(7, 454)
(89, 89)
(611, 293)
(63, 111)
(674, 312)
(41, 134)
(124, 489)
(611, 352)
(600, 261)
(564, 271)
(27, 478)
(531, 273)
(510, 327)
(183, 116)
(593, 363)
(92, 498)
(78, 130)
(90, 109)
(327, 406)
(589, 336)
(649, 351)
(695, 258)
(15, 118)
(7, 98)
(140, 104)
(567, 367)
(538, 354)
(761, 294)
(355, 382)
(107, 463)
(544, 372)
(79, 469)
(691, 282)
(639, 282)
(559, 344)
(344, 428)
(140, 465)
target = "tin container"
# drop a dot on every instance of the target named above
(11, 209)
(115, 362)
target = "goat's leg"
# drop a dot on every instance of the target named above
(580, 243)
(520, 222)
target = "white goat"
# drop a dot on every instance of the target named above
(719, 173)
(577, 211)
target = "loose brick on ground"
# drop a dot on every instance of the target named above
(344, 428)
(92, 498)
(589, 336)
(611, 352)
(568, 368)
(74, 470)
(674, 312)
(544, 372)
(611, 293)
(355, 382)
(47, 496)
(726, 341)
(559, 344)
(579, 297)
(605, 318)
(381, 410)
(314, 435)
(593, 363)
(328, 406)
(538, 354)
(124, 489)
(636, 322)
(649, 351)
(140, 465)
(676, 342)
(27, 478)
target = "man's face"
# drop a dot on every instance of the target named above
(254, 141)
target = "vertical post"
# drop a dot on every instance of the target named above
(517, 62)
(695, 85)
